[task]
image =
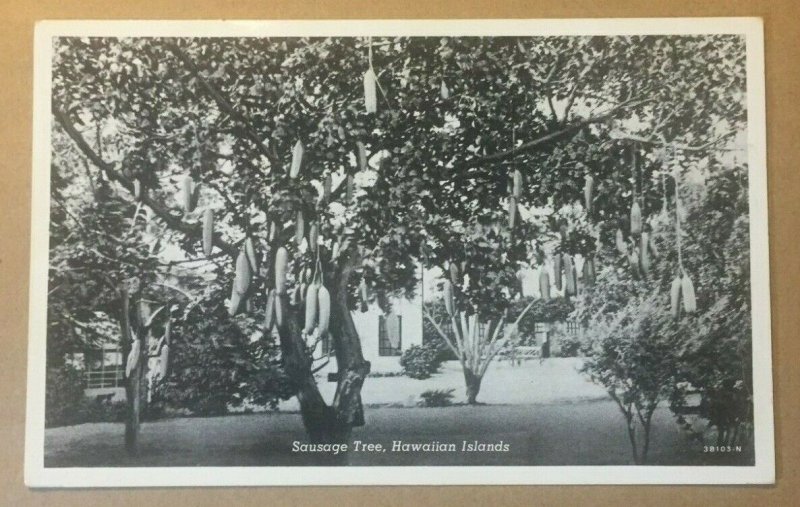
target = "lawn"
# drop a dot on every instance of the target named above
(552, 417)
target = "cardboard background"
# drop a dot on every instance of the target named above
(782, 41)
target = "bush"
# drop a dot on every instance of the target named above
(102, 409)
(421, 361)
(63, 396)
(437, 398)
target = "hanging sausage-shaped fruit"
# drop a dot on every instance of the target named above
(243, 273)
(517, 185)
(370, 92)
(299, 228)
(619, 241)
(208, 232)
(361, 155)
(687, 291)
(324, 301)
(235, 301)
(675, 296)
(644, 252)
(313, 237)
(188, 187)
(557, 270)
(588, 192)
(571, 288)
(311, 308)
(447, 294)
(636, 219)
(297, 159)
(281, 259)
(363, 293)
(252, 258)
(544, 284)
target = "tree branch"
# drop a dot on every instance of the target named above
(166, 214)
(226, 106)
(544, 139)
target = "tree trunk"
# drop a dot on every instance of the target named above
(353, 369)
(133, 383)
(133, 392)
(324, 423)
(473, 382)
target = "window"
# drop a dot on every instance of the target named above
(103, 368)
(390, 332)
(573, 329)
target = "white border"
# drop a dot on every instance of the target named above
(36, 475)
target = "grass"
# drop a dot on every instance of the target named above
(552, 417)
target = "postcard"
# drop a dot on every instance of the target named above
(399, 252)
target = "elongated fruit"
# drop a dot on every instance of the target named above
(455, 276)
(512, 213)
(208, 232)
(133, 357)
(324, 301)
(313, 236)
(137, 189)
(588, 192)
(297, 159)
(544, 284)
(195, 196)
(235, 302)
(280, 311)
(644, 253)
(188, 186)
(557, 271)
(447, 294)
(243, 272)
(163, 362)
(362, 156)
(299, 227)
(636, 218)
(588, 272)
(269, 311)
(620, 242)
(675, 296)
(687, 289)
(364, 295)
(281, 258)
(311, 308)
(370, 95)
(250, 250)
(444, 92)
(633, 260)
(273, 230)
(569, 270)
(517, 189)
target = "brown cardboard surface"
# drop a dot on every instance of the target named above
(782, 40)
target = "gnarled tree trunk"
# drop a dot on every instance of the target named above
(323, 422)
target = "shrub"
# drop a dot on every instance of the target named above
(437, 398)
(421, 361)
(64, 396)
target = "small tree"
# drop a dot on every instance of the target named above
(635, 360)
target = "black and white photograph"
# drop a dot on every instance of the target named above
(399, 252)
